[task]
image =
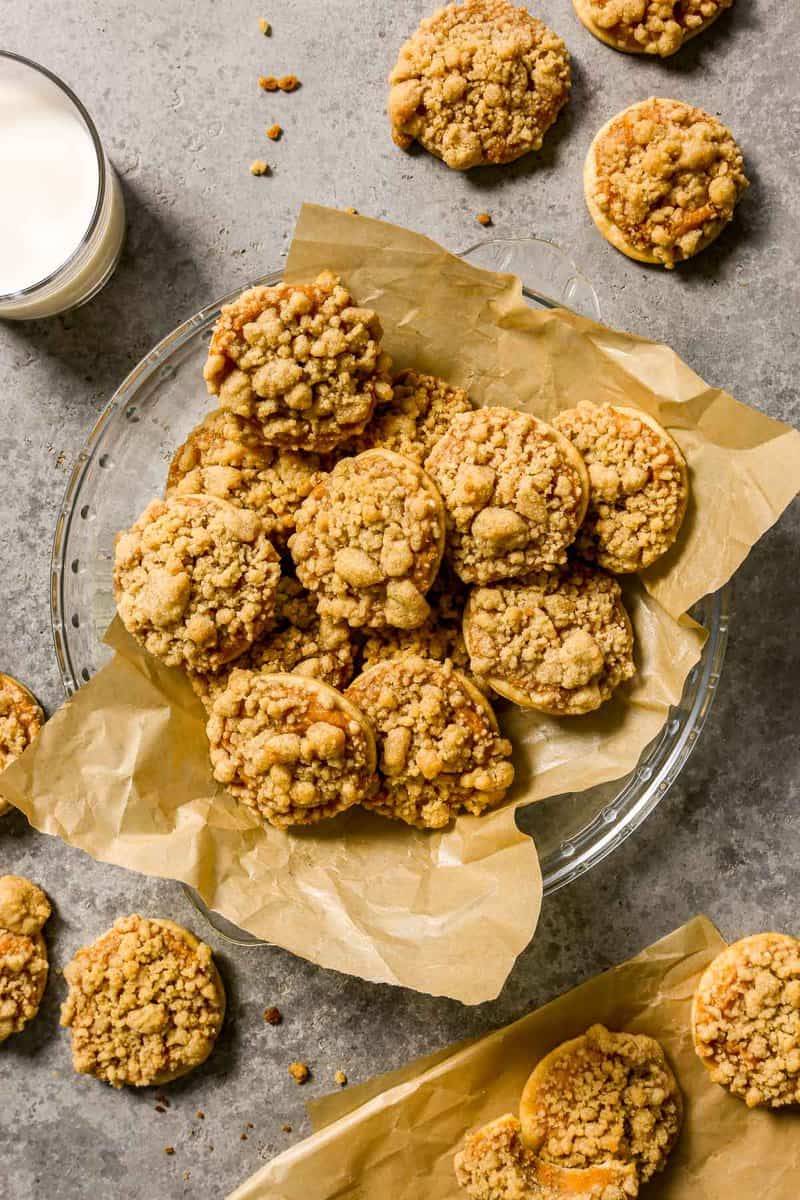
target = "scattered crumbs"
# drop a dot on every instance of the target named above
(288, 83)
(340, 1078)
(268, 82)
(187, 1174)
(160, 1108)
(299, 1072)
(273, 1016)
(264, 26)
(274, 132)
(201, 1116)
(483, 219)
(211, 1145)
(169, 1149)
(286, 1128)
(353, 211)
(259, 167)
(250, 1125)
(242, 1137)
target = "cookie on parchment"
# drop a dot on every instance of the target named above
(746, 1020)
(478, 82)
(145, 1003)
(419, 413)
(658, 27)
(294, 750)
(24, 908)
(662, 179)
(639, 485)
(21, 718)
(440, 750)
(303, 361)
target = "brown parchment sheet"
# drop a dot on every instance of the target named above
(121, 771)
(400, 1142)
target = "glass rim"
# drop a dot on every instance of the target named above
(83, 112)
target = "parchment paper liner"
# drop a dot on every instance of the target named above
(122, 772)
(396, 1136)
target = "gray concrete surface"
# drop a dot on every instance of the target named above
(173, 87)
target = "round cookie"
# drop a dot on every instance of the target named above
(658, 27)
(419, 413)
(304, 362)
(496, 1165)
(226, 457)
(479, 82)
(746, 1020)
(603, 1096)
(440, 750)
(560, 642)
(291, 748)
(195, 580)
(369, 541)
(24, 908)
(145, 1003)
(21, 718)
(661, 180)
(639, 485)
(515, 492)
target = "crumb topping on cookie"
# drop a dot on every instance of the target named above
(515, 493)
(303, 361)
(419, 413)
(478, 82)
(291, 748)
(440, 752)
(145, 1003)
(21, 718)
(24, 908)
(369, 541)
(650, 26)
(227, 457)
(603, 1095)
(639, 485)
(558, 641)
(746, 1019)
(667, 177)
(23, 975)
(195, 580)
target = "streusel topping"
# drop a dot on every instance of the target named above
(639, 485)
(291, 748)
(419, 413)
(649, 26)
(24, 908)
(440, 751)
(303, 361)
(603, 1096)
(369, 541)
(227, 457)
(479, 82)
(746, 1019)
(23, 975)
(667, 177)
(145, 1003)
(558, 641)
(195, 580)
(515, 493)
(495, 1165)
(21, 719)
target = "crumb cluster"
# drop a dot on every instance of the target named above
(418, 414)
(658, 27)
(24, 908)
(21, 718)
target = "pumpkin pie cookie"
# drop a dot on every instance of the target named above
(658, 27)
(515, 492)
(195, 580)
(291, 748)
(303, 361)
(227, 457)
(479, 82)
(603, 1096)
(440, 750)
(419, 413)
(21, 718)
(24, 908)
(559, 641)
(495, 1165)
(662, 179)
(145, 1003)
(639, 485)
(369, 540)
(746, 1020)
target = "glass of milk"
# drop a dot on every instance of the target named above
(62, 217)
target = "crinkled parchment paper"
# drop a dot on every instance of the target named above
(396, 1137)
(122, 772)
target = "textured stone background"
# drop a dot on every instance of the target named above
(173, 88)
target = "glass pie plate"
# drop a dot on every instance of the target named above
(124, 464)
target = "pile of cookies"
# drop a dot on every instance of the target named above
(481, 82)
(348, 566)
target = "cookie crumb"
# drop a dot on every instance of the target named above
(187, 1174)
(483, 219)
(169, 1149)
(242, 1137)
(162, 1099)
(160, 1108)
(288, 83)
(250, 1125)
(274, 132)
(286, 1128)
(259, 167)
(264, 26)
(268, 82)
(353, 211)
(273, 1015)
(201, 1116)
(340, 1078)
(299, 1072)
